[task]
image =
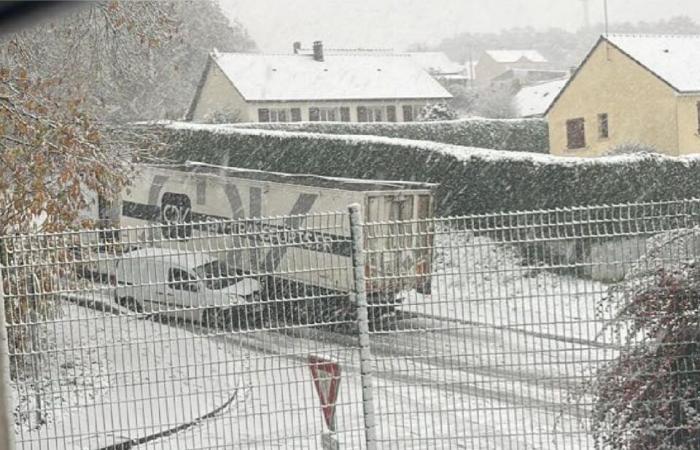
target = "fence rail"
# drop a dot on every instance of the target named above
(572, 328)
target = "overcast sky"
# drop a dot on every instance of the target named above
(275, 24)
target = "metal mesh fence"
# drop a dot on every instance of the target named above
(188, 336)
(549, 329)
(572, 329)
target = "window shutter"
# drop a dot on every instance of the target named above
(362, 114)
(314, 114)
(407, 113)
(263, 115)
(391, 113)
(603, 126)
(575, 133)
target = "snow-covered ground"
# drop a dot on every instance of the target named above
(482, 281)
(108, 378)
(491, 359)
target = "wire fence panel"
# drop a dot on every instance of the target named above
(570, 329)
(184, 336)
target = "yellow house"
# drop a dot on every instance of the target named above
(631, 89)
(334, 86)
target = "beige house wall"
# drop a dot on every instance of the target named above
(688, 136)
(218, 97)
(641, 108)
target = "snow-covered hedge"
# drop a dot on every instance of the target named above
(472, 180)
(524, 135)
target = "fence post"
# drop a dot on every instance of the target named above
(367, 368)
(7, 432)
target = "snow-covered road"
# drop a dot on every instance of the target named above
(492, 359)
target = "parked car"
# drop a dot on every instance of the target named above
(192, 286)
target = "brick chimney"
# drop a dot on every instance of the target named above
(318, 51)
(297, 47)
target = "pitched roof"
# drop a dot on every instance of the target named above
(436, 62)
(511, 56)
(673, 58)
(535, 100)
(341, 76)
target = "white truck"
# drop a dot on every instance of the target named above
(300, 251)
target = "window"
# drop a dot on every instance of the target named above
(345, 114)
(329, 114)
(697, 106)
(274, 115)
(391, 113)
(278, 115)
(263, 115)
(296, 115)
(408, 113)
(317, 114)
(575, 133)
(182, 280)
(370, 113)
(314, 114)
(603, 131)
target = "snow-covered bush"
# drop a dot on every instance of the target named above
(471, 180)
(523, 135)
(630, 149)
(649, 396)
(435, 112)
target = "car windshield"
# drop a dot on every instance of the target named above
(217, 275)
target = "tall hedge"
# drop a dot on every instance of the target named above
(470, 180)
(525, 135)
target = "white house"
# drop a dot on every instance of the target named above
(360, 86)
(440, 66)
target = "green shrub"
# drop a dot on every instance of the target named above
(471, 180)
(524, 135)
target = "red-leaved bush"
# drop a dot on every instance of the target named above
(647, 397)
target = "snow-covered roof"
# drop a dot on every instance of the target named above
(673, 58)
(341, 76)
(534, 100)
(511, 56)
(436, 62)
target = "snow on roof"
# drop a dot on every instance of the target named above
(341, 76)
(511, 56)
(673, 58)
(534, 100)
(436, 62)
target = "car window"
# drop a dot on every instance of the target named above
(218, 274)
(181, 280)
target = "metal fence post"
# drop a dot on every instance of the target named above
(7, 432)
(367, 366)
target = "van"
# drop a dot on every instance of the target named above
(191, 286)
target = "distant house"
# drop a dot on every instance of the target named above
(527, 77)
(345, 86)
(493, 63)
(439, 65)
(534, 100)
(631, 89)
